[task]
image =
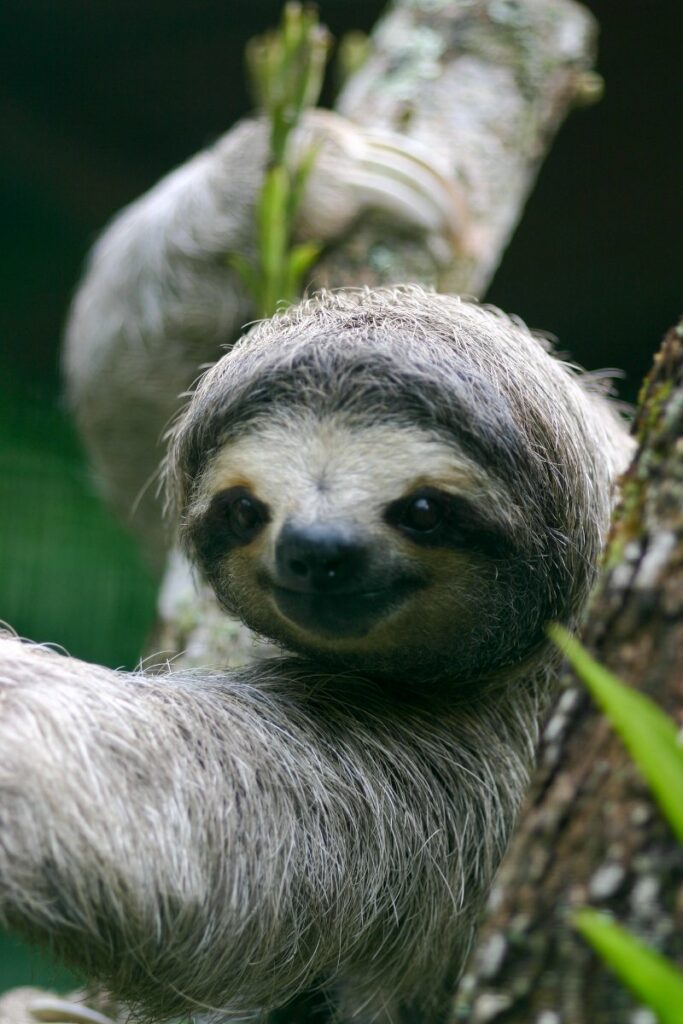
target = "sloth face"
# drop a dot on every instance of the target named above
(396, 482)
(374, 546)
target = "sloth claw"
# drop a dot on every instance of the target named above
(356, 170)
(53, 1010)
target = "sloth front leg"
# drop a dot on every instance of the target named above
(159, 299)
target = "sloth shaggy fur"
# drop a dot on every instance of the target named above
(218, 843)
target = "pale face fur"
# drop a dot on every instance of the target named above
(307, 470)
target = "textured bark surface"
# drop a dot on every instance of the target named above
(590, 833)
(480, 86)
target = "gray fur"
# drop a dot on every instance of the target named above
(198, 841)
(223, 841)
(219, 842)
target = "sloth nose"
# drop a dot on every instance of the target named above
(320, 557)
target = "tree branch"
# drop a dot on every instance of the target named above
(482, 86)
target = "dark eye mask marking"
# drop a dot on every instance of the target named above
(434, 518)
(234, 518)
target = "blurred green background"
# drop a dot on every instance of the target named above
(99, 100)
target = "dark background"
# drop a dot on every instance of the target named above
(99, 99)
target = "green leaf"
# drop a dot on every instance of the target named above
(294, 25)
(313, 60)
(298, 180)
(352, 52)
(651, 736)
(301, 259)
(652, 979)
(246, 271)
(274, 232)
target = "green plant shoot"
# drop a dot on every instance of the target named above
(353, 50)
(286, 69)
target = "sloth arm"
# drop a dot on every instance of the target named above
(157, 301)
(225, 841)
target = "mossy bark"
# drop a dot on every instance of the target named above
(590, 833)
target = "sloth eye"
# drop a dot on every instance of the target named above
(434, 518)
(240, 515)
(422, 514)
(244, 516)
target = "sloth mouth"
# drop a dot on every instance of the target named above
(342, 614)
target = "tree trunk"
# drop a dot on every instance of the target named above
(590, 833)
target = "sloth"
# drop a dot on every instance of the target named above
(400, 489)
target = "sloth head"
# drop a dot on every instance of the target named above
(396, 482)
